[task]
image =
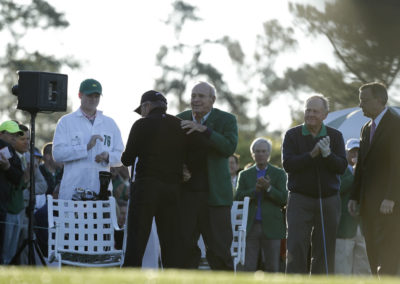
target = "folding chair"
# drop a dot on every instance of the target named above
(239, 213)
(81, 233)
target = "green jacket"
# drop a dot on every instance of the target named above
(272, 216)
(222, 144)
(16, 202)
(348, 224)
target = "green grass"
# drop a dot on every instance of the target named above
(133, 276)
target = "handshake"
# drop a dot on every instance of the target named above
(323, 147)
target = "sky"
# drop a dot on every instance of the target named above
(117, 42)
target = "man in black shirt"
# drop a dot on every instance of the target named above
(314, 158)
(158, 144)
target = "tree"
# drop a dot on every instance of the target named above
(16, 20)
(176, 74)
(362, 36)
(182, 63)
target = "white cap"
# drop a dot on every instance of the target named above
(352, 143)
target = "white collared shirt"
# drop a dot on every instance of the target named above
(266, 168)
(203, 119)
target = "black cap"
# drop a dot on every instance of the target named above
(151, 96)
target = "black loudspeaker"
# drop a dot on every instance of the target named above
(41, 91)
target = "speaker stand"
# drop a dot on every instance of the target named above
(31, 242)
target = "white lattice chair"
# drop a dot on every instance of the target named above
(81, 233)
(239, 213)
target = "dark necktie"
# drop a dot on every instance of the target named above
(372, 131)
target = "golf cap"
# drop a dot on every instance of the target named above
(11, 127)
(151, 96)
(37, 153)
(90, 86)
(352, 143)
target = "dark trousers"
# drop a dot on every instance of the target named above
(257, 242)
(2, 232)
(305, 227)
(151, 198)
(382, 235)
(41, 222)
(213, 223)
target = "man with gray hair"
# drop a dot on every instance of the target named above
(265, 184)
(207, 195)
(314, 157)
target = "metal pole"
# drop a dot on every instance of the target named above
(31, 207)
(322, 221)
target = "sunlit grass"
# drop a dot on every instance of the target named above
(99, 276)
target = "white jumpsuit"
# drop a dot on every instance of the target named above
(73, 133)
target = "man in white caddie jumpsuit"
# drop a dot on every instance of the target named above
(86, 142)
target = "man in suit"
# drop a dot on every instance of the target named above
(377, 180)
(314, 157)
(207, 195)
(265, 184)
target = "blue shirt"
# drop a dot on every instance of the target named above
(379, 117)
(260, 173)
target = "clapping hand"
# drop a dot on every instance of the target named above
(324, 146)
(315, 151)
(262, 183)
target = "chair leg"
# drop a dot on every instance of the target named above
(235, 263)
(59, 261)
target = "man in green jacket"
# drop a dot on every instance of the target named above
(207, 196)
(265, 184)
